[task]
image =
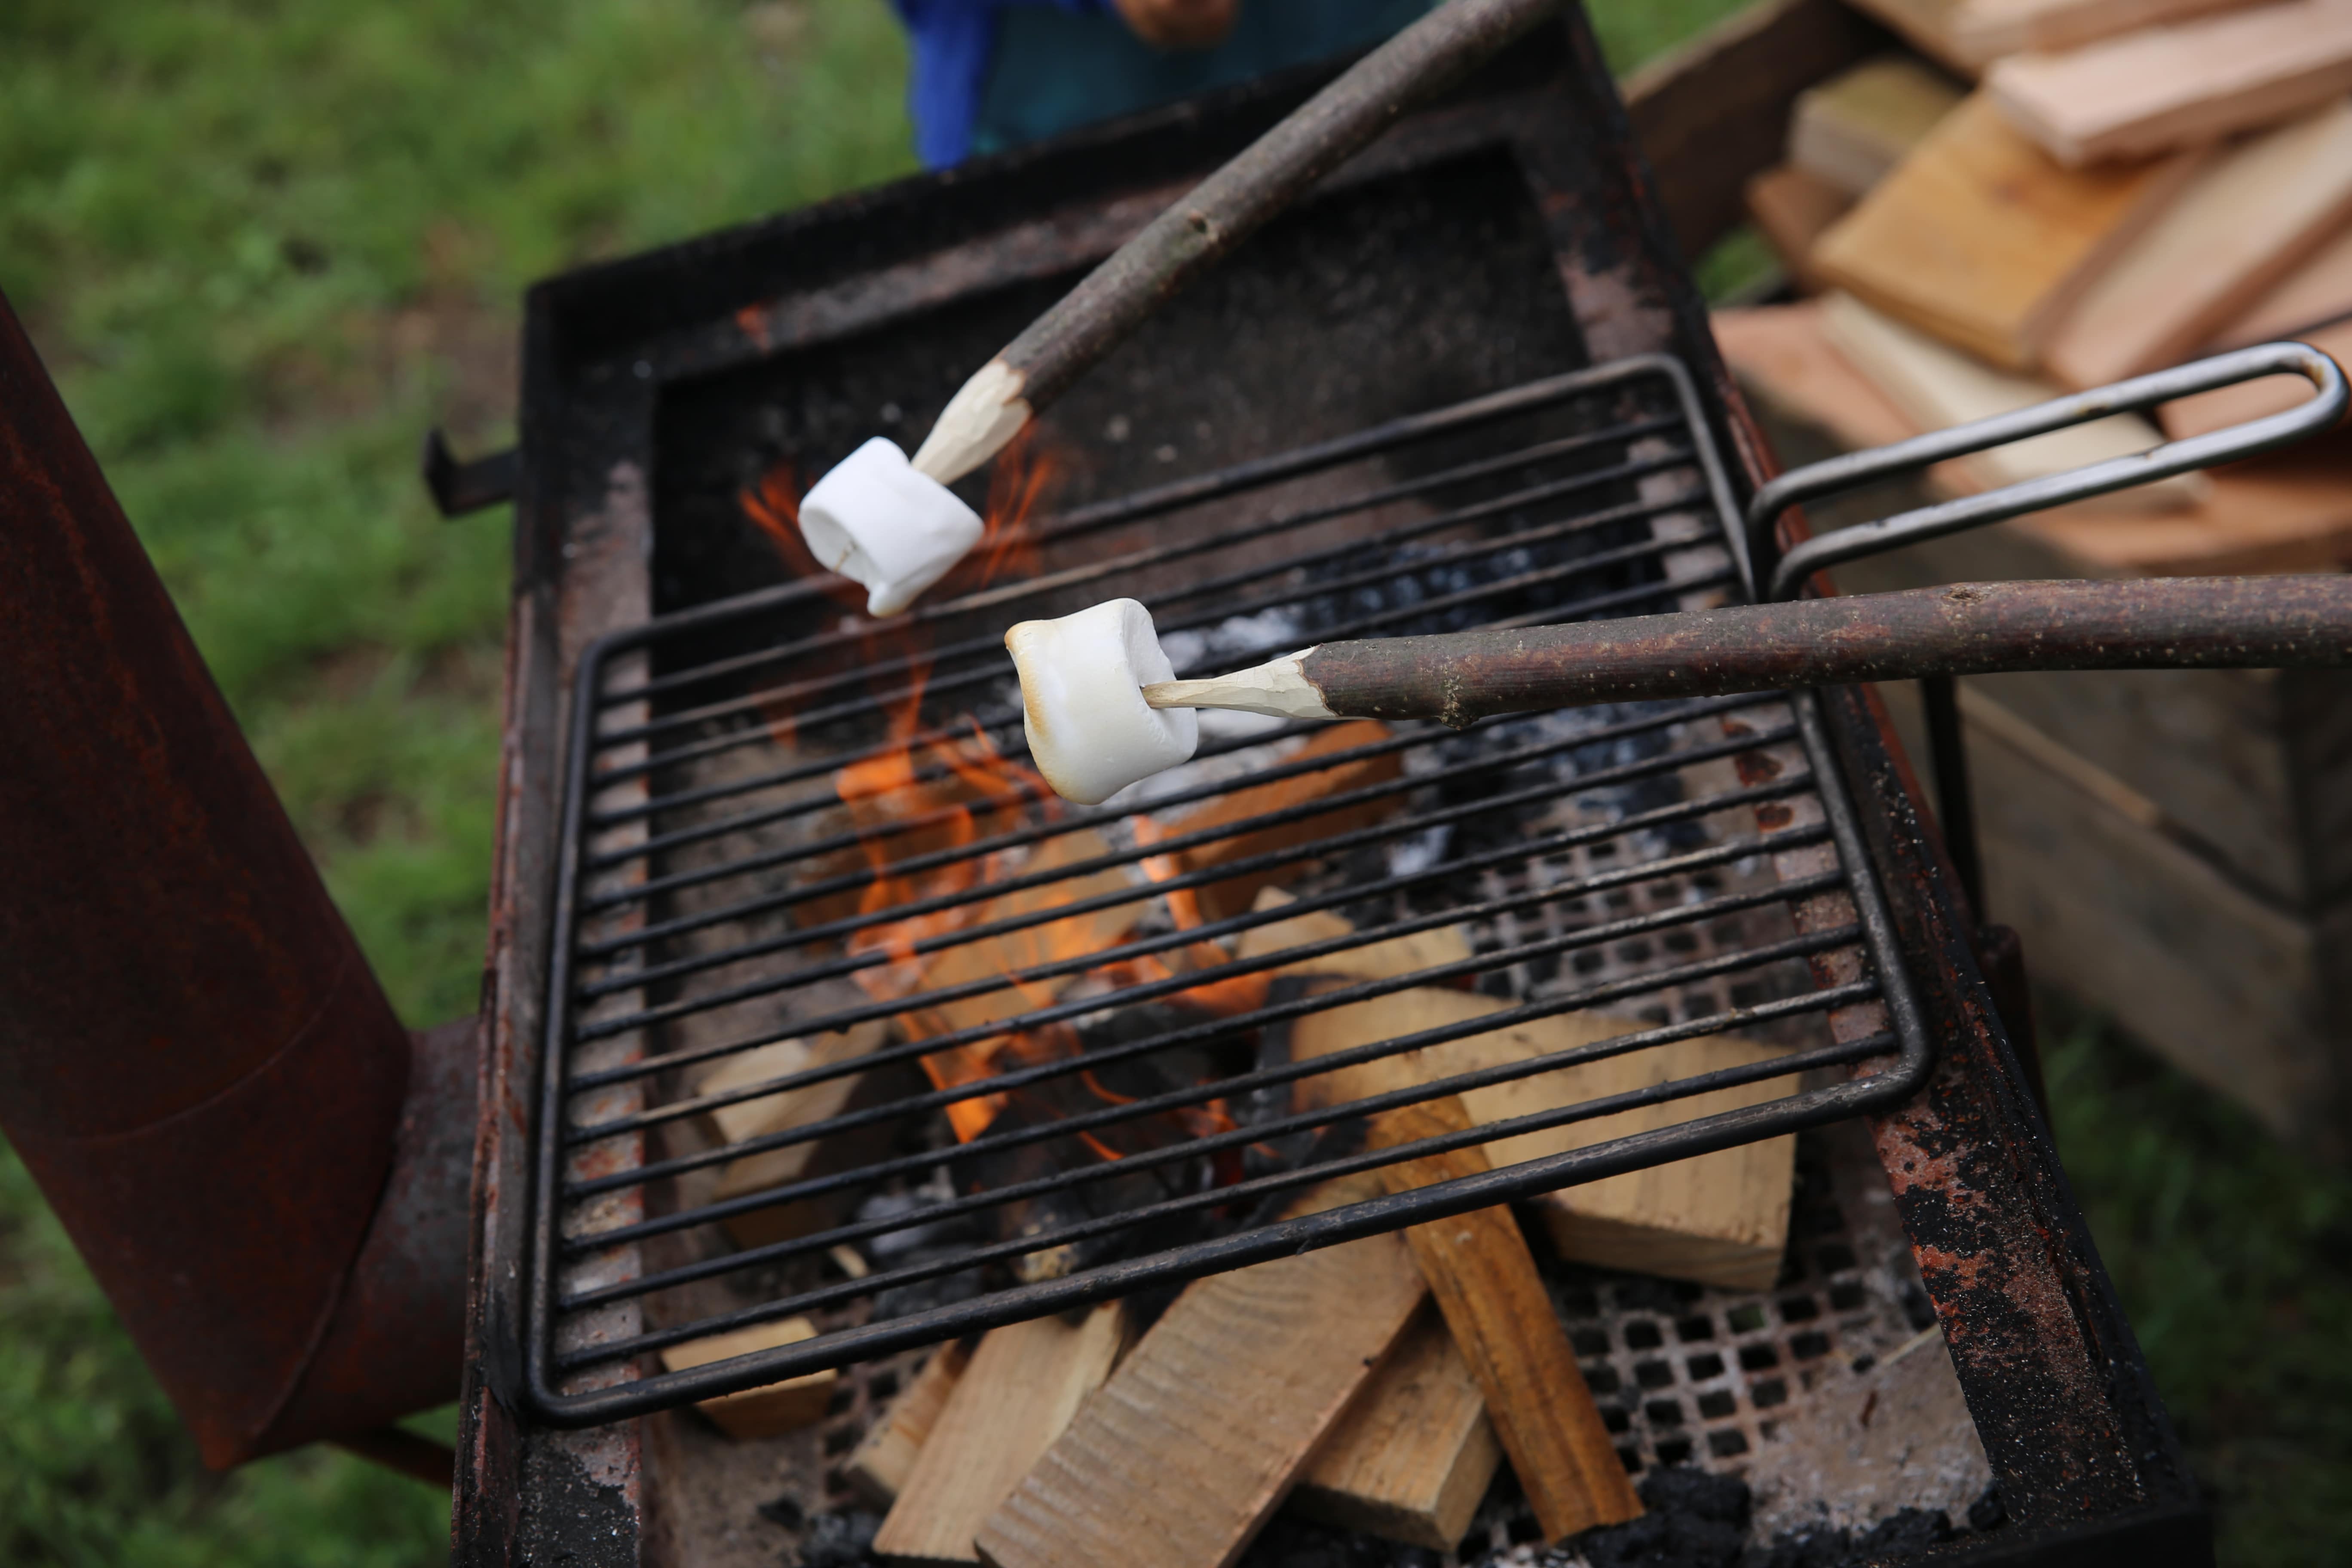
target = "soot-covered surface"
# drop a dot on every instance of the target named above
(1386, 299)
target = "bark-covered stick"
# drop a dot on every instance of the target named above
(1968, 629)
(1217, 214)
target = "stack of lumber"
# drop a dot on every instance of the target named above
(2053, 195)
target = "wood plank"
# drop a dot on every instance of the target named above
(1412, 1455)
(2235, 991)
(878, 1467)
(2285, 513)
(1184, 1454)
(2161, 89)
(751, 1119)
(1391, 958)
(1484, 1277)
(1982, 239)
(1853, 129)
(1936, 387)
(2314, 294)
(2256, 399)
(1720, 1219)
(1982, 31)
(1024, 1385)
(1792, 210)
(783, 1406)
(2256, 210)
(1230, 897)
(1715, 111)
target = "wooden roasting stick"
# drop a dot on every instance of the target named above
(1214, 217)
(1967, 629)
(1479, 1269)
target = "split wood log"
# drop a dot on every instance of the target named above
(1853, 129)
(2160, 89)
(749, 1119)
(1792, 209)
(1479, 1269)
(1719, 1218)
(2315, 294)
(1217, 214)
(1025, 1384)
(1983, 239)
(880, 1465)
(2254, 212)
(1412, 1455)
(1389, 958)
(1183, 1454)
(1938, 386)
(1983, 31)
(2289, 511)
(1232, 896)
(783, 1406)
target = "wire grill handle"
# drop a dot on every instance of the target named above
(1790, 573)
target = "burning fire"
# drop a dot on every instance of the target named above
(921, 795)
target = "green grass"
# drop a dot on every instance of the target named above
(2233, 1257)
(265, 243)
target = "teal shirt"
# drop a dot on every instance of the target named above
(1053, 70)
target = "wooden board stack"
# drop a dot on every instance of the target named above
(2132, 184)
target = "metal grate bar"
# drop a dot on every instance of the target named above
(1100, 1008)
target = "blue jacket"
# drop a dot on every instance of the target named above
(992, 74)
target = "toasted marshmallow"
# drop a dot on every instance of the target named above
(1082, 681)
(881, 520)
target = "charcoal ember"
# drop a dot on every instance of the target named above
(917, 1243)
(1419, 590)
(1910, 1530)
(1988, 1512)
(839, 1539)
(1287, 1543)
(1695, 1520)
(1166, 1069)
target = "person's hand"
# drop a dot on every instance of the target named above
(1179, 23)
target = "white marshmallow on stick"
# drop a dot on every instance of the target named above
(1090, 731)
(879, 519)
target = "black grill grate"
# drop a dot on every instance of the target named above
(1142, 1106)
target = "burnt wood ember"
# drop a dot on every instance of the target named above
(1260, 461)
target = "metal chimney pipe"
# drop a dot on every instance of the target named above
(196, 1062)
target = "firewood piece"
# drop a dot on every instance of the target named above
(1983, 31)
(1220, 900)
(2316, 293)
(2251, 213)
(1025, 1385)
(783, 1406)
(1719, 1218)
(1412, 1455)
(2164, 87)
(2229, 405)
(878, 1467)
(1851, 130)
(1391, 958)
(1936, 387)
(1479, 1269)
(1073, 936)
(1981, 239)
(1183, 1454)
(749, 1119)
(1793, 209)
